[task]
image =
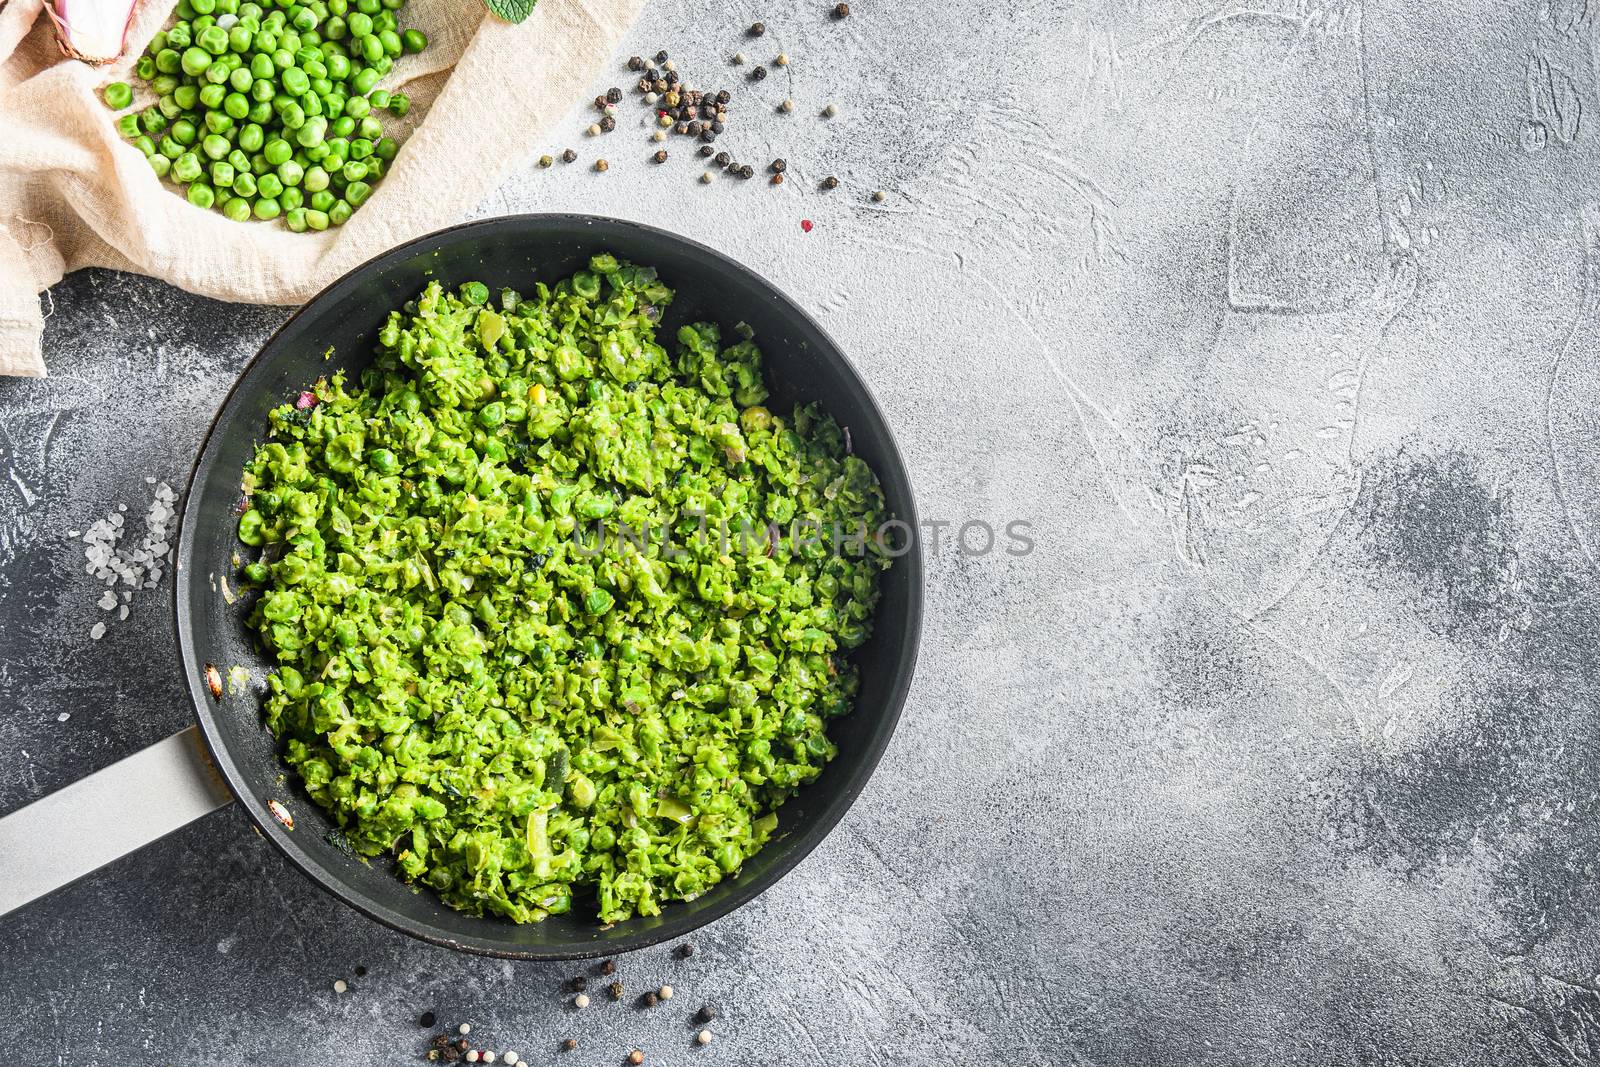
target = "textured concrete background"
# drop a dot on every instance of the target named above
(1282, 326)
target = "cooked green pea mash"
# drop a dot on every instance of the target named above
(472, 680)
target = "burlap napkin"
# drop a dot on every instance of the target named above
(74, 194)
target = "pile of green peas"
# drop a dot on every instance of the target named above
(271, 109)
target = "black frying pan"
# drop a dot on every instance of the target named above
(802, 365)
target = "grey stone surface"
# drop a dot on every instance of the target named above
(1281, 326)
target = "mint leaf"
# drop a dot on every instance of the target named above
(513, 11)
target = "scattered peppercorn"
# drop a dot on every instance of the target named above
(830, 111)
(450, 1054)
(664, 120)
(608, 967)
(339, 985)
(659, 135)
(661, 156)
(738, 59)
(841, 11)
(665, 992)
(747, 171)
(783, 59)
(723, 96)
(464, 1028)
(601, 165)
(635, 63)
(705, 1014)
(708, 135)
(427, 1019)
(580, 1001)
(439, 1040)
(651, 98)
(579, 984)
(569, 156)
(650, 999)
(778, 166)
(593, 130)
(361, 972)
(786, 107)
(615, 989)
(880, 196)
(644, 85)
(758, 73)
(569, 1045)
(463, 1044)
(717, 126)
(614, 95)
(703, 1037)
(705, 179)
(635, 1057)
(722, 160)
(706, 150)
(757, 29)
(661, 56)
(600, 102)
(681, 128)
(777, 179)
(669, 65)
(608, 124)
(693, 129)
(830, 182)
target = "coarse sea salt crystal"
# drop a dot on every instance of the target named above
(97, 631)
(64, 716)
(107, 601)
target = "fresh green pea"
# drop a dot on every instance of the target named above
(322, 201)
(168, 106)
(390, 41)
(277, 150)
(118, 95)
(236, 106)
(364, 81)
(160, 164)
(170, 148)
(295, 81)
(168, 61)
(214, 39)
(339, 214)
(241, 79)
(369, 128)
(338, 67)
(343, 126)
(164, 84)
(239, 161)
(145, 67)
(293, 116)
(414, 40)
(195, 61)
(357, 107)
(386, 149)
(316, 220)
(357, 192)
(152, 121)
(245, 185)
(128, 125)
(186, 168)
(354, 171)
(184, 133)
(295, 219)
(215, 146)
(399, 105)
(360, 148)
(237, 209)
(212, 96)
(178, 37)
(291, 198)
(315, 180)
(144, 144)
(269, 185)
(266, 208)
(222, 174)
(240, 38)
(360, 24)
(371, 48)
(219, 122)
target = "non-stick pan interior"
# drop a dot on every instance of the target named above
(802, 364)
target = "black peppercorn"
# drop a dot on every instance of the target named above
(608, 967)
(717, 126)
(672, 77)
(705, 1014)
(600, 102)
(830, 182)
(660, 156)
(778, 166)
(724, 96)
(427, 1020)
(615, 989)
(608, 124)
(841, 11)
(614, 95)
(579, 984)
(706, 150)
(661, 56)
(757, 29)
(569, 1045)
(722, 160)
(682, 127)
(439, 1040)
(450, 1054)
(635, 62)
(361, 972)
(708, 135)
(758, 74)
(747, 171)
(569, 156)
(650, 999)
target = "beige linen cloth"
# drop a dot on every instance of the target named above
(74, 194)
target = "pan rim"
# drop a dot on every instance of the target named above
(666, 928)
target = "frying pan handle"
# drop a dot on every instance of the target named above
(62, 837)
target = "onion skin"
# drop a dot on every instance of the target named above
(94, 31)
